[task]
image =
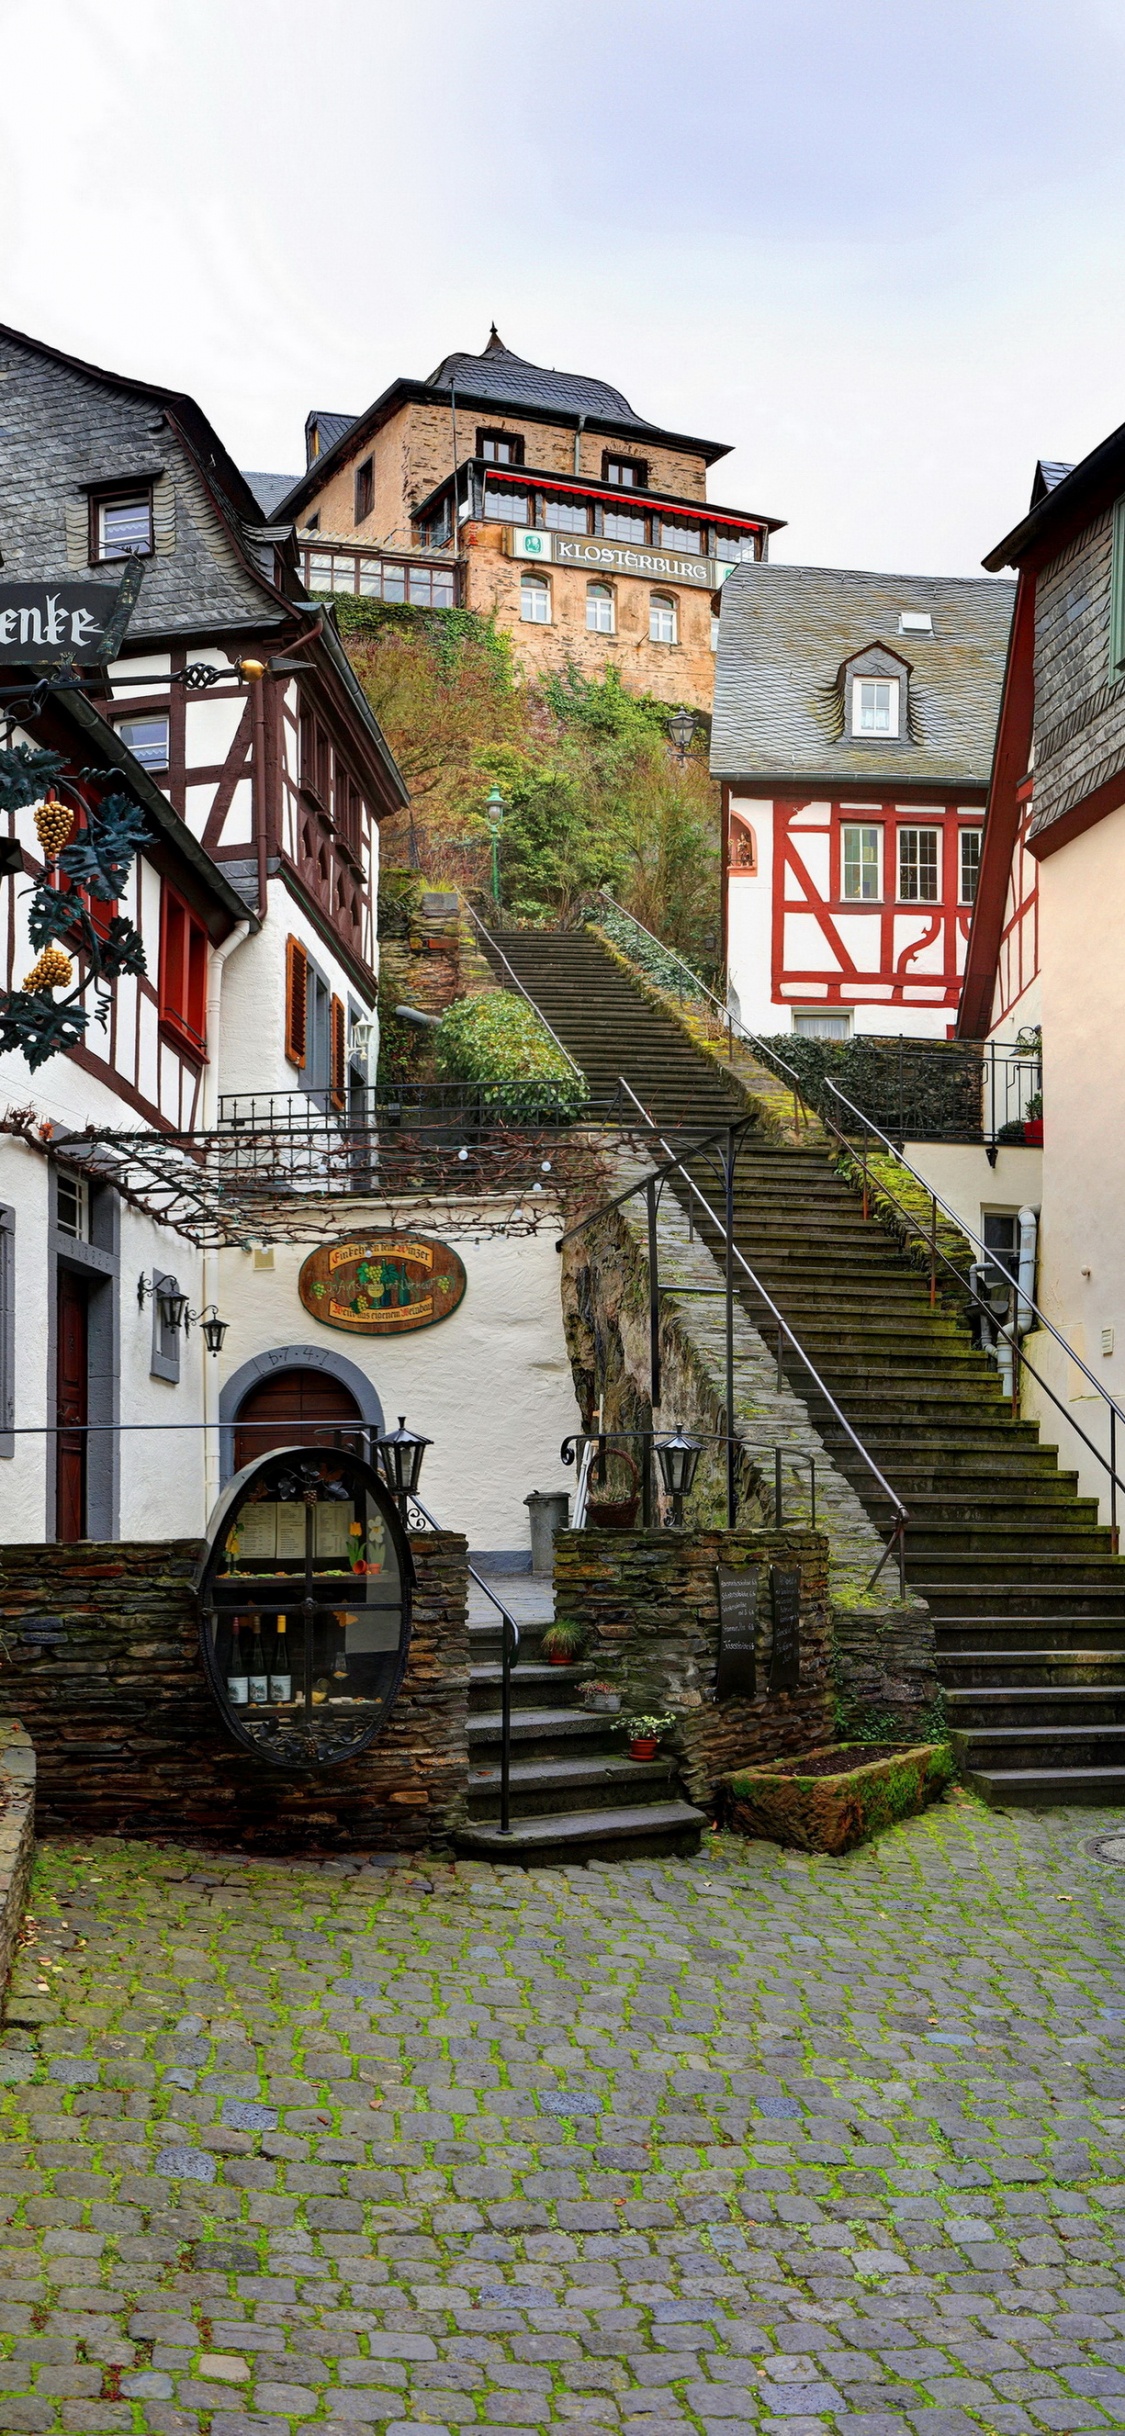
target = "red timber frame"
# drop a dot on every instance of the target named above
(839, 980)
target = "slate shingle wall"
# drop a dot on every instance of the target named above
(60, 430)
(1079, 702)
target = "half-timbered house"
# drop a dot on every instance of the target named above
(853, 731)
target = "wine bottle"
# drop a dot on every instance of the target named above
(238, 1688)
(340, 1663)
(281, 1680)
(258, 1684)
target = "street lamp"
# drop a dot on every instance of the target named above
(495, 808)
(171, 1304)
(678, 1457)
(681, 728)
(399, 1457)
(214, 1328)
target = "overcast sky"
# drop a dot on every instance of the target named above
(878, 250)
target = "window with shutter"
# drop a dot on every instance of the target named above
(183, 974)
(296, 1001)
(337, 1053)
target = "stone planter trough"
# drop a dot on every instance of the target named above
(830, 1799)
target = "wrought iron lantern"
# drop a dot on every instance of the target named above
(495, 809)
(399, 1456)
(678, 1457)
(681, 728)
(171, 1304)
(304, 1597)
(214, 1328)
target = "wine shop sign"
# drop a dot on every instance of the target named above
(55, 625)
(384, 1285)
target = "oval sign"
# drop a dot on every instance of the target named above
(383, 1285)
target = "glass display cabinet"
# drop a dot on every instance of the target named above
(304, 1597)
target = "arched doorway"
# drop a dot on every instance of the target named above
(296, 1408)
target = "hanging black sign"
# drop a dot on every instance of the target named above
(785, 1654)
(77, 625)
(738, 1632)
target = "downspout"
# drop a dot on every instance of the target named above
(210, 1277)
(1029, 1236)
(581, 426)
(258, 781)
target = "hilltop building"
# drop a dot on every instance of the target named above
(853, 729)
(537, 496)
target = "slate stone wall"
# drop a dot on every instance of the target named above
(1079, 695)
(17, 1837)
(100, 1661)
(649, 1603)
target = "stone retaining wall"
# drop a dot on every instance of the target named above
(648, 1601)
(17, 1837)
(100, 1661)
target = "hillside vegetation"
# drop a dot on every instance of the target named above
(594, 794)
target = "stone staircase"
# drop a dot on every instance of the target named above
(574, 1793)
(1028, 1599)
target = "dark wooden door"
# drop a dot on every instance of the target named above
(72, 1407)
(297, 1408)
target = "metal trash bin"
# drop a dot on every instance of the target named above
(550, 1512)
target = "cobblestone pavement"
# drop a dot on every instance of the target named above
(749, 2142)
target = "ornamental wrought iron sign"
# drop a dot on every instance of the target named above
(304, 1606)
(89, 847)
(78, 625)
(382, 1285)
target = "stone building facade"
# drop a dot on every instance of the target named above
(536, 497)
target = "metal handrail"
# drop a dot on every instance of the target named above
(1010, 1334)
(497, 950)
(510, 1651)
(592, 1442)
(673, 1164)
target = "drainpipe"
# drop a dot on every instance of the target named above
(210, 1264)
(578, 443)
(1029, 1236)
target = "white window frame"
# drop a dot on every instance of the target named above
(968, 830)
(918, 828)
(878, 734)
(662, 607)
(140, 502)
(151, 756)
(535, 588)
(600, 597)
(809, 1022)
(861, 829)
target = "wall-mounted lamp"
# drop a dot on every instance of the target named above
(171, 1304)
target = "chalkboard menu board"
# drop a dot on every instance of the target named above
(785, 1656)
(738, 1632)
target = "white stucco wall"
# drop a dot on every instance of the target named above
(491, 1385)
(959, 1173)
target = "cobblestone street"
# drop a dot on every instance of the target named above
(748, 2142)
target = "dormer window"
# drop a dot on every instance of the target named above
(875, 706)
(121, 524)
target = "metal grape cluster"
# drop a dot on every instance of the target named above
(84, 864)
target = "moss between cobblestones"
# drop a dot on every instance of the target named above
(855, 2164)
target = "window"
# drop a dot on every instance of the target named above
(314, 523)
(337, 1053)
(874, 706)
(316, 761)
(862, 848)
(121, 527)
(823, 1023)
(566, 516)
(500, 447)
(146, 739)
(661, 618)
(364, 489)
(622, 524)
(714, 631)
(731, 546)
(918, 866)
(1000, 1234)
(72, 1206)
(437, 532)
(183, 974)
(969, 849)
(681, 537)
(599, 609)
(164, 1359)
(626, 473)
(915, 621)
(507, 507)
(296, 1002)
(535, 600)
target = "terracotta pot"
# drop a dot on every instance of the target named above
(644, 1747)
(1033, 1132)
(553, 1661)
(616, 1513)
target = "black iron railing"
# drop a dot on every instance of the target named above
(509, 1657)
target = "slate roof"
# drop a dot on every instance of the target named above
(512, 381)
(270, 489)
(330, 427)
(783, 636)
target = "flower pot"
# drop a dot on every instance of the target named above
(606, 1703)
(644, 1747)
(1033, 1132)
(555, 1661)
(617, 1513)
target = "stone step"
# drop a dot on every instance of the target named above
(1018, 1636)
(531, 1679)
(551, 1730)
(955, 1606)
(984, 1707)
(1036, 1668)
(635, 1832)
(1045, 1745)
(537, 1786)
(1037, 1533)
(1048, 1788)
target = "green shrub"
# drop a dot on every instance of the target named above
(498, 1042)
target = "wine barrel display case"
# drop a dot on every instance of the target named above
(304, 1606)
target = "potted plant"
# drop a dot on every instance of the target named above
(1033, 1121)
(644, 1733)
(563, 1642)
(599, 1695)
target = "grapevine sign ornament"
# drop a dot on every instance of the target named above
(89, 852)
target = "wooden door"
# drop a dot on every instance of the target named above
(296, 1408)
(72, 1407)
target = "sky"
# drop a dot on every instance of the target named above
(879, 251)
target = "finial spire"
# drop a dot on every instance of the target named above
(495, 342)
